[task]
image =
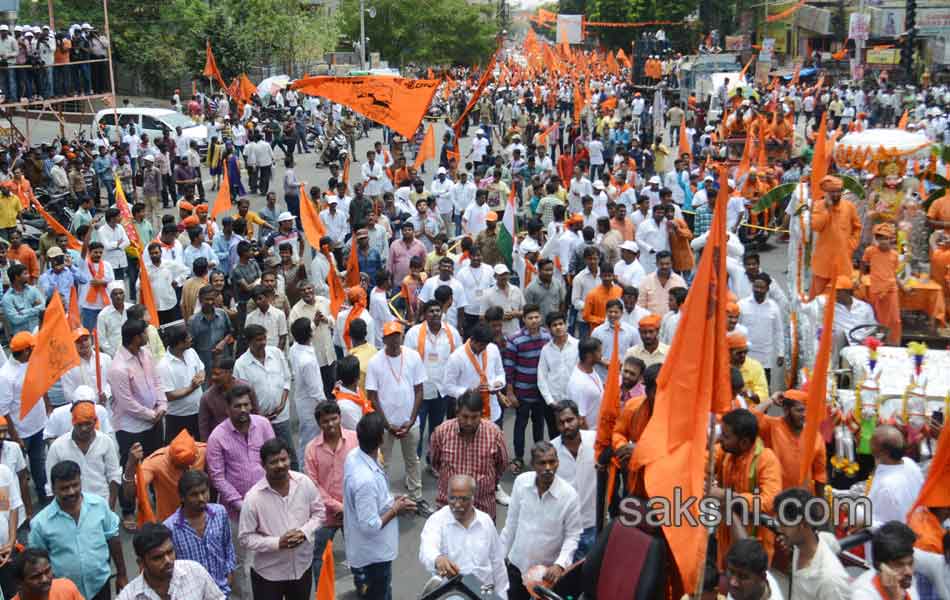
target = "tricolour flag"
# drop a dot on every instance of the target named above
(506, 236)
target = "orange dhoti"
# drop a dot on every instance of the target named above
(887, 311)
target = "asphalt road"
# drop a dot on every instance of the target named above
(408, 575)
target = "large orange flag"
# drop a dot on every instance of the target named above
(685, 146)
(313, 227)
(936, 489)
(55, 225)
(902, 124)
(327, 583)
(146, 295)
(222, 201)
(489, 71)
(817, 408)
(609, 411)
(337, 293)
(211, 66)
(612, 66)
(694, 381)
(353, 265)
(53, 355)
(393, 101)
(126, 214)
(426, 149)
(820, 157)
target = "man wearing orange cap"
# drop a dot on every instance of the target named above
(356, 298)
(487, 240)
(650, 349)
(839, 231)
(783, 436)
(881, 262)
(162, 469)
(95, 452)
(752, 372)
(733, 312)
(28, 431)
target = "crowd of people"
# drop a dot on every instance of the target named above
(257, 418)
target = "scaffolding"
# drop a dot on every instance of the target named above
(62, 107)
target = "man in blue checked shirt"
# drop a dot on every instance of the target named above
(22, 303)
(61, 275)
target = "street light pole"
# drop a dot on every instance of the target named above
(362, 35)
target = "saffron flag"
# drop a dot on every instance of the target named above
(622, 58)
(820, 158)
(482, 82)
(147, 296)
(327, 583)
(817, 408)
(353, 265)
(126, 215)
(685, 146)
(902, 124)
(211, 66)
(337, 293)
(222, 201)
(693, 383)
(507, 235)
(936, 488)
(398, 103)
(313, 227)
(53, 355)
(73, 243)
(426, 148)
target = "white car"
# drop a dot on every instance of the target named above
(152, 121)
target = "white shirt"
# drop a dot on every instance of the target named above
(628, 337)
(651, 237)
(372, 178)
(633, 317)
(161, 277)
(479, 148)
(582, 285)
(14, 460)
(461, 376)
(863, 588)
(587, 390)
(475, 280)
(734, 247)
(380, 314)
(366, 498)
(394, 380)
(577, 190)
(85, 374)
(12, 374)
(61, 420)
(177, 373)
(269, 380)
(10, 489)
(319, 273)
(668, 326)
(109, 324)
(541, 530)
(509, 300)
(99, 465)
(350, 412)
(97, 303)
(443, 192)
(473, 219)
(337, 224)
(308, 384)
(894, 490)
(432, 284)
(190, 581)
(274, 321)
(734, 211)
(476, 549)
(580, 474)
(775, 592)
(437, 351)
(629, 273)
(114, 242)
(823, 577)
(596, 150)
(555, 366)
(766, 336)
(463, 195)
(365, 316)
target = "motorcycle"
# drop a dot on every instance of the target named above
(335, 150)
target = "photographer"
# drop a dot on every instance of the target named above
(8, 53)
(99, 49)
(45, 52)
(80, 51)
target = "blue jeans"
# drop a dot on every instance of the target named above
(89, 317)
(375, 581)
(85, 83)
(320, 539)
(49, 82)
(106, 183)
(11, 90)
(585, 543)
(433, 412)
(36, 452)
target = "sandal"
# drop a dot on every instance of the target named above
(517, 465)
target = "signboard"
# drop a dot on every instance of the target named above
(814, 19)
(737, 43)
(859, 26)
(886, 56)
(857, 70)
(779, 33)
(570, 29)
(933, 22)
(762, 68)
(887, 22)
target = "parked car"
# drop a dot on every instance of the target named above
(153, 121)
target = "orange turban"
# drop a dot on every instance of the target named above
(884, 230)
(183, 450)
(190, 221)
(185, 205)
(201, 208)
(737, 341)
(830, 183)
(843, 282)
(356, 294)
(795, 395)
(650, 322)
(84, 412)
(732, 309)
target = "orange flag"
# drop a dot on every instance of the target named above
(685, 146)
(393, 101)
(55, 225)
(145, 512)
(353, 265)
(609, 411)
(622, 58)
(327, 583)
(608, 104)
(745, 69)
(693, 383)
(346, 172)
(612, 67)
(936, 488)
(902, 124)
(746, 161)
(147, 296)
(820, 157)
(126, 213)
(53, 355)
(426, 149)
(73, 315)
(222, 201)
(817, 408)
(313, 227)
(211, 66)
(482, 82)
(337, 294)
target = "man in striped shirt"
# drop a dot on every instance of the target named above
(521, 356)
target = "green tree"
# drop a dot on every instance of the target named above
(427, 32)
(612, 11)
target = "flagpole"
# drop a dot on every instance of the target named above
(95, 337)
(710, 473)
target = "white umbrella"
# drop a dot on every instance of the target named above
(271, 85)
(895, 141)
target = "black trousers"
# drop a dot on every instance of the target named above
(526, 410)
(151, 440)
(174, 425)
(169, 316)
(281, 590)
(516, 588)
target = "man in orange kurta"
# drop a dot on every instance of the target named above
(839, 231)
(743, 465)
(881, 261)
(940, 265)
(630, 425)
(680, 236)
(162, 469)
(595, 304)
(782, 435)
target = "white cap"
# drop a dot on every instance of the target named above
(18, 28)
(58, 158)
(332, 200)
(46, 27)
(28, 33)
(598, 185)
(115, 285)
(480, 132)
(86, 26)
(709, 177)
(732, 183)
(285, 216)
(441, 171)
(529, 245)
(84, 393)
(631, 246)
(655, 179)
(501, 269)
(709, 128)
(4, 28)
(149, 158)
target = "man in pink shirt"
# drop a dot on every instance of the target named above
(323, 462)
(401, 252)
(280, 516)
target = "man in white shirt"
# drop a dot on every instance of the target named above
(763, 318)
(585, 386)
(463, 196)
(653, 237)
(476, 278)
(555, 366)
(394, 381)
(627, 336)
(892, 550)
(182, 375)
(543, 525)
(507, 297)
(442, 189)
(460, 539)
(446, 268)
(373, 176)
(114, 241)
(479, 148)
(94, 294)
(475, 214)
(578, 187)
(265, 369)
(272, 319)
(308, 384)
(95, 452)
(896, 480)
(165, 277)
(585, 281)
(336, 221)
(576, 460)
(475, 364)
(628, 269)
(11, 510)
(85, 372)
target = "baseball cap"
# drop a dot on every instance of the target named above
(285, 216)
(501, 269)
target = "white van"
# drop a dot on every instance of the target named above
(153, 121)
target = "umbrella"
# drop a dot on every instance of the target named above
(271, 85)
